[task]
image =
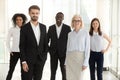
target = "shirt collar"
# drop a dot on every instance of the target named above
(95, 33)
(17, 27)
(59, 26)
(78, 30)
(33, 24)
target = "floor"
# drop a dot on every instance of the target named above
(46, 74)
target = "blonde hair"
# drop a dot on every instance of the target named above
(76, 15)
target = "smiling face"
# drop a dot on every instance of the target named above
(59, 18)
(76, 22)
(19, 21)
(95, 25)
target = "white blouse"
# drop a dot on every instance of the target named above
(79, 41)
(96, 42)
(12, 41)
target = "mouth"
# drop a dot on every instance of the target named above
(58, 20)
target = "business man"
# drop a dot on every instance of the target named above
(57, 36)
(33, 46)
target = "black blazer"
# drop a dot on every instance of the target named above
(28, 45)
(58, 45)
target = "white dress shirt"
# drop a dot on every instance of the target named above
(96, 42)
(36, 31)
(79, 41)
(12, 41)
(58, 29)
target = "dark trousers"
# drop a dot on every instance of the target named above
(96, 58)
(54, 65)
(35, 70)
(13, 61)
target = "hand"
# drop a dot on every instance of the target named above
(11, 54)
(103, 51)
(65, 66)
(84, 67)
(25, 67)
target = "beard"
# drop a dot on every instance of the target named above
(34, 18)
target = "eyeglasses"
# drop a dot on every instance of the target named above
(76, 20)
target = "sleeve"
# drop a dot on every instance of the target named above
(87, 50)
(46, 42)
(68, 44)
(8, 40)
(48, 37)
(22, 44)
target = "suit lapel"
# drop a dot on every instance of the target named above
(62, 31)
(55, 32)
(32, 34)
(41, 32)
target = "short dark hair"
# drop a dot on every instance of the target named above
(60, 13)
(19, 15)
(34, 7)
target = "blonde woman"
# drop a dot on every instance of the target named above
(78, 49)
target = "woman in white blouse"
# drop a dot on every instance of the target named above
(13, 36)
(97, 49)
(78, 49)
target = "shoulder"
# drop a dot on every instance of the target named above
(52, 26)
(26, 26)
(70, 33)
(66, 26)
(11, 28)
(42, 25)
(85, 31)
(104, 34)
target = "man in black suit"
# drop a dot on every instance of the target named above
(33, 46)
(57, 36)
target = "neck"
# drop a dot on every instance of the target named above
(19, 26)
(95, 30)
(78, 28)
(58, 25)
(34, 22)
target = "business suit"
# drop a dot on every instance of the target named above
(34, 54)
(57, 49)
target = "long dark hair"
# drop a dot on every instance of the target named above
(91, 28)
(19, 15)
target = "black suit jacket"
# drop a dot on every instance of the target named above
(58, 45)
(28, 45)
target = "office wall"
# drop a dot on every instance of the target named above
(2, 30)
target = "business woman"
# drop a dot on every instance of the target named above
(19, 19)
(97, 49)
(78, 50)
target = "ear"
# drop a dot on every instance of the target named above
(63, 18)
